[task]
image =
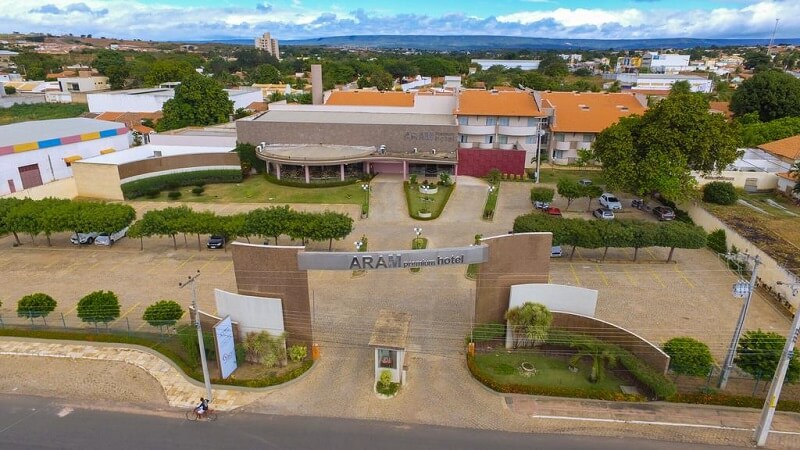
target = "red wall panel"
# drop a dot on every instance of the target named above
(478, 162)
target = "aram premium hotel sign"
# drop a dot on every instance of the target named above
(398, 259)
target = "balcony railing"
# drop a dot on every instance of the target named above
(516, 131)
(476, 130)
(566, 145)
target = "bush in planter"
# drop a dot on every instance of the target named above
(198, 190)
(716, 241)
(720, 192)
(152, 193)
(174, 195)
(412, 179)
(298, 353)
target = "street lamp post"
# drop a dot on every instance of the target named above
(741, 289)
(539, 133)
(358, 245)
(418, 232)
(207, 380)
(768, 411)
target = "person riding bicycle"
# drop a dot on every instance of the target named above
(202, 407)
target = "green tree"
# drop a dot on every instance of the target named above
(612, 234)
(542, 194)
(163, 313)
(688, 356)
(529, 323)
(247, 156)
(757, 60)
(198, 101)
(168, 70)
(269, 222)
(794, 171)
(679, 235)
(602, 355)
(569, 189)
(755, 132)
(759, 353)
(36, 305)
(553, 65)
(681, 87)
(265, 74)
(332, 225)
(772, 94)
(590, 192)
(113, 65)
(6, 206)
(720, 192)
(99, 307)
(658, 151)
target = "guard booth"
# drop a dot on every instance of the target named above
(390, 339)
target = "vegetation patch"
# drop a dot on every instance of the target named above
(420, 204)
(491, 202)
(148, 186)
(40, 111)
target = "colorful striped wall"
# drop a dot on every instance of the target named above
(28, 146)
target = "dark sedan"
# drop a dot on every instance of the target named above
(216, 241)
(664, 213)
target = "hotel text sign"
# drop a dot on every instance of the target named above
(398, 259)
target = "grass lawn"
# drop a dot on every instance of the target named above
(40, 111)
(257, 189)
(504, 368)
(776, 231)
(418, 243)
(433, 203)
(491, 203)
(549, 175)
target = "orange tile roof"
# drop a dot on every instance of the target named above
(497, 103)
(722, 107)
(258, 106)
(787, 176)
(130, 118)
(142, 129)
(371, 98)
(589, 112)
(786, 148)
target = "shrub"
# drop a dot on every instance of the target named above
(138, 188)
(542, 194)
(298, 353)
(385, 378)
(152, 193)
(198, 190)
(200, 183)
(174, 195)
(187, 334)
(241, 353)
(720, 192)
(35, 305)
(712, 397)
(313, 184)
(717, 241)
(265, 349)
(412, 179)
(689, 356)
(494, 176)
(10, 90)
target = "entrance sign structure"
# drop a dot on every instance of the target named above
(390, 340)
(399, 259)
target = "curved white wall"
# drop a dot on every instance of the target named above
(556, 297)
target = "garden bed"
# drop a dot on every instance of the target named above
(423, 206)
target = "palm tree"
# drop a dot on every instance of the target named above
(529, 323)
(600, 353)
(794, 171)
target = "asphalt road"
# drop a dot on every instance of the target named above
(41, 423)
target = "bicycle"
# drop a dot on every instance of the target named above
(192, 415)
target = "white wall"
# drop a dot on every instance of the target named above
(765, 181)
(556, 297)
(193, 140)
(103, 102)
(254, 314)
(51, 160)
(243, 98)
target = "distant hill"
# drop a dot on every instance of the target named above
(471, 43)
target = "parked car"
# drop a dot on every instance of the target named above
(555, 251)
(664, 213)
(553, 211)
(83, 238)
(610, 201)
(541, 205)
(585, 182)
(603, 214)
(216, 241)
(110, 238)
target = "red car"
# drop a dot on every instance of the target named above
(553, 211)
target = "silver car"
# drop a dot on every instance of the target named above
(603, 214)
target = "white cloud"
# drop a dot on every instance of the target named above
(293, 20)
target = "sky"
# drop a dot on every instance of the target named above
(188, 20)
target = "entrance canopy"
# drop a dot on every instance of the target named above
(391, 330)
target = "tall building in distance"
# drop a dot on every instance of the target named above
(268, 44)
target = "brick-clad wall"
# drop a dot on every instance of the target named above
(477, 162)
(173, 162)
(612, 334)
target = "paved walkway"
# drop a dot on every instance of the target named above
(440, 391)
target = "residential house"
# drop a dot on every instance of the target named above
(787, 150)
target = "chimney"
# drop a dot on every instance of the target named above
(316, 84)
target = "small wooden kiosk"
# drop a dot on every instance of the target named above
(390, 339)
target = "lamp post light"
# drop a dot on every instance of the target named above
(539, 133)
(365, 209)
(358, 245)
(768, 411)
(741, 289)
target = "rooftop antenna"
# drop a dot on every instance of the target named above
(772, 39)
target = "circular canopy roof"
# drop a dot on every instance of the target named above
(315, 153)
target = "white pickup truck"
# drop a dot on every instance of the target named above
(83, 238)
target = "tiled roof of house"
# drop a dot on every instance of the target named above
(589, 112)
(142, 129)
(497, 103)
(371, 98)
(786, 175)
(258, 106)
(130, 118)
(785, 148)
(722, 107)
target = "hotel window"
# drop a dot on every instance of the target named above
(559, 154)
(502, 139)
(463, 120)
(530, 139)
(503, 121)
(462, 138)
(587, 137)
(559, 137)
(488, 139)
(491, 121)
(532, 121)
(387, 359)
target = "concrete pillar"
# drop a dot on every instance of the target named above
(366, 167)
(308, 174)
(278, 170)
(341, 172)
(316, 84)
(405, 170)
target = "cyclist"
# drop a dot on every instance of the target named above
(202, 407)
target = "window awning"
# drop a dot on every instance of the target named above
(106, 151)
(72, 159)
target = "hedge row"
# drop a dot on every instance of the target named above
(556, 391)
(740, 401)
(139, 188)
(313, 184)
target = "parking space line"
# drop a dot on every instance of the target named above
(127, 312)
(180, 266)
(73, 310)
(685, 278)
(578, 252)
(630, 277)
(574, 274)
(213, 258)
(121, 262)
(227, 266)
(71, 267)
(657, 278)
(55, 261)
(602, 275)
(647, 249)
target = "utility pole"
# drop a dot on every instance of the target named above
(193, 281)
(772, 39)
(740, 289)
(771, 402)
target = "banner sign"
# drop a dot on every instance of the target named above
(226, 352)
(393, 259)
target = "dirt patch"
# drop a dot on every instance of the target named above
(79, 378)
